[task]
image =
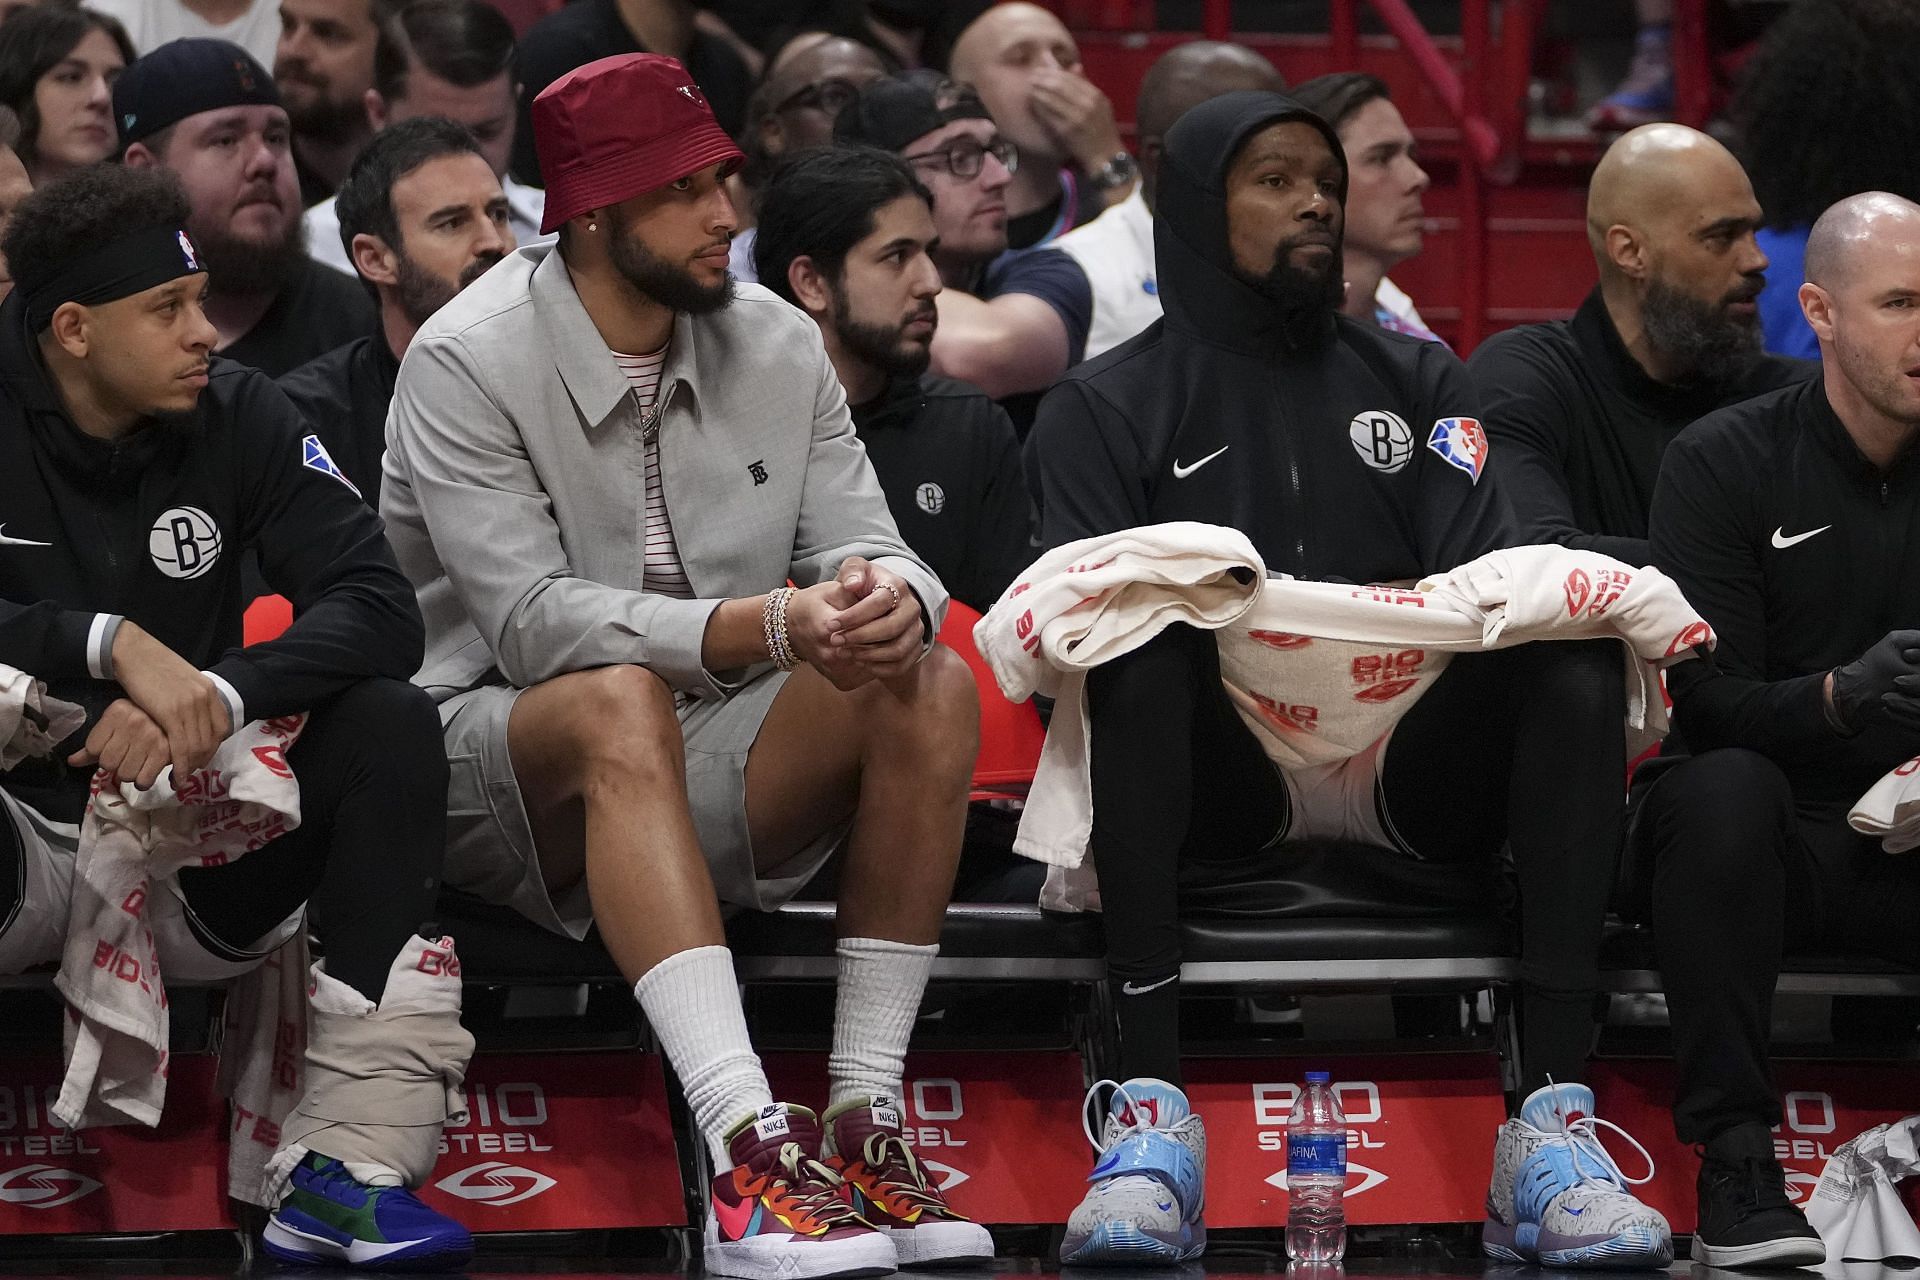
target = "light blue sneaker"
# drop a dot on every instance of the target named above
(330, 1218)
(1558, 1198)
(1149, 1185)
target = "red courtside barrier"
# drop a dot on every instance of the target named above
(1000, 1131)
(561, 1141)
(1420, 1132)
(120, 1179)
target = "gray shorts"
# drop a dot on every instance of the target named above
(490, 845)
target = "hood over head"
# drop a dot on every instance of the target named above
(1202, 293)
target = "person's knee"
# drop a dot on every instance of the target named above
(1585, 680)
(1724, 815)
(938, 717)
(390, 724)
(1166, 661)
(623, 724)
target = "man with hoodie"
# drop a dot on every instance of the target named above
(1345, 453)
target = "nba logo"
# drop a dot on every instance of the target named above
(186, 250)
(1462, 442)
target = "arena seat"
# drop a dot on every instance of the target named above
(1011, 734)
(1628, 965)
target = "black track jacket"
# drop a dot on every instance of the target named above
(1801, 554)
(151, 527)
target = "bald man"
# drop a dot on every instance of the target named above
(1587, 406)
(1072, 165)
(1788, 521)
(812, 77)
(1116, 249)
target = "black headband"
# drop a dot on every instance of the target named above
(118, 269)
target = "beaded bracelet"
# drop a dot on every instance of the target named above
(774, 618)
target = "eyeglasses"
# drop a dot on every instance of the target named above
(832, 95)
(964, 157)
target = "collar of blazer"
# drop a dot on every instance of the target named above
(580, 354)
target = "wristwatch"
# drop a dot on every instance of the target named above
(1116, 172)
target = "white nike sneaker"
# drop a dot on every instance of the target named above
(1149, 1185)
(1557, 1197)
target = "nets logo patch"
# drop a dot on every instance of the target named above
(1382, 439)
(314, 457)
(184, 542)
(1462, 443)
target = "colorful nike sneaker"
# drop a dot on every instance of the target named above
(1646, 94)
(331, 1217)
(780, 1214)
(1149, 1185)
(887, 1185)
(1558, 1198)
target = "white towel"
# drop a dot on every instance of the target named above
(131, 842)
(31, 723)
(1891, 809)
(1320, 671)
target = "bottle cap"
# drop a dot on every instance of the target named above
(1317, 1077)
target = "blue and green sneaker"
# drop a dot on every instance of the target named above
(329, 1217)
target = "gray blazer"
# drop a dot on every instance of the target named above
(515, 482)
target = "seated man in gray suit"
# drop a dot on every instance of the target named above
(604, 469)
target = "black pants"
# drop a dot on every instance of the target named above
(1519, 745)
(1731, 872)
(366, 856)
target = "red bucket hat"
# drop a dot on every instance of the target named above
(619, 127)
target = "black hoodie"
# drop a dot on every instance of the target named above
(1358, 458)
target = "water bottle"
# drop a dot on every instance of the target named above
(1316, 1174)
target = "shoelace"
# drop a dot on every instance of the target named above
(813, 1186)
(888, 1151)
(1089, 1106)
(1582, 1138)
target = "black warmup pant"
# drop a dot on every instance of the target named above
(366, 856)
(1731, 872)
(1520, 745)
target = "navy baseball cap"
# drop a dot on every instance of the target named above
(183, 78)
(891, 114)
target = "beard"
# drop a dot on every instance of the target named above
(672, 287)
(422, 292)
(241, 265)
(1305, 297)
(883, 346)
(317, 115)
(1701, 337)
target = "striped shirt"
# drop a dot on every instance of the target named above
(664, 575)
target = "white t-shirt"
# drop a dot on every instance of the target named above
(152, 23)
(1116, 252)
(665, 575)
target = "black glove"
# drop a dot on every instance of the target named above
(1869, 688)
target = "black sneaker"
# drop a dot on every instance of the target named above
(1746, 1219)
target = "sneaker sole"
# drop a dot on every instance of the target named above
(1638, 1249)
(1792, 1251)
(869, 1255)
(938, 1243)
(1502, 1242)
(1122, 1244)
(303, 1249)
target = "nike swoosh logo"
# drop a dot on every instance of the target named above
(734, 1218)
(1782, 541)
(1181, 473)
(1128, 988)
(1575, 1212)
(5, 541)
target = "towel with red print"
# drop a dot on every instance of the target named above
(1320, 671)
(126, 920)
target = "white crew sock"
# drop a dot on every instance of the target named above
(880, 985)
(693, 1002)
